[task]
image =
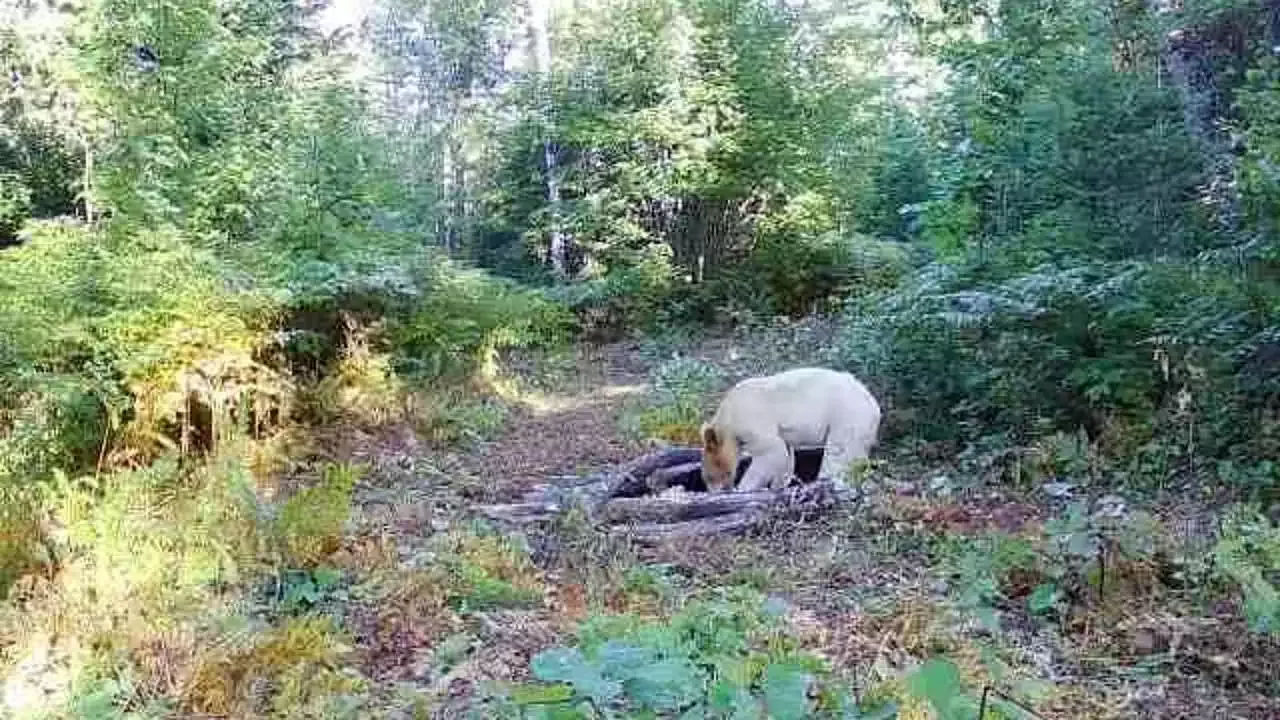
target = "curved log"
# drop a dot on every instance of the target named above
(635, 499)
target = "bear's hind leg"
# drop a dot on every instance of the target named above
(844, 447)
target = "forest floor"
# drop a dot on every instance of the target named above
(875, 589)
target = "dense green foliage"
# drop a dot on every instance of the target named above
(241, 187)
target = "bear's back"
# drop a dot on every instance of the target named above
(799, 399)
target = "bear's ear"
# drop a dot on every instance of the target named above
(710, 438)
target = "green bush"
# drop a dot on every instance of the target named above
(15, 205)
(312, 523)
(465, 317)
(1247, 556)
(1106, 348)
(630, 296)
(162, 537)
(800, 273)
(114, 333)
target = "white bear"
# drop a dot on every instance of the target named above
(770, 416)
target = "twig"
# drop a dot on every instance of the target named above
(1019, 704)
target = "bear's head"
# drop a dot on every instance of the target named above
(719, 459)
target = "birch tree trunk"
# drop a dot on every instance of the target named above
(539, 29)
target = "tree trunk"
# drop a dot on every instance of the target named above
(88, 183)
(539, 29)
(1187, 59)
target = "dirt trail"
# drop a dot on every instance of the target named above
(571, 429)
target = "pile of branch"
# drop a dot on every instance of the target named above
(661, 497)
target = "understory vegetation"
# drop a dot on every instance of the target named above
(286, 288)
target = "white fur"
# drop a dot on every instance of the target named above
(805, 407)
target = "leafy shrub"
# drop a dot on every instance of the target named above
(142, 548)
(801, 274)
(1247, 555)
(465, 318)
(1098, 347)
(15, 205)
(136, 335)
(982, 568)
(362, 388)
(728, 656)
(630, 296)
(802, 262)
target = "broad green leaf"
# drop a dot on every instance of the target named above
(733, 701)
(327, 577)
(568, 665)
(888, 711)
(581, 711)
(557, 664)
(786, 691)
(665, 685)
(1043, 598)
(618, 659)
(987, 616)
(939, 683)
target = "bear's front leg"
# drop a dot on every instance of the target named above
(771, 463)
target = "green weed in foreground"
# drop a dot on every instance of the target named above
(729, 656)
(487, 571)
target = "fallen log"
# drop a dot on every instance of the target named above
(677, 476)
(681, 506)
(522, 513)
(635, 500)
(632, 481)
(686, 515)
(654, 533)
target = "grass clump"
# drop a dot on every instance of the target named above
(311, 524)
(487, 570)
(301, 661)
(454, 417)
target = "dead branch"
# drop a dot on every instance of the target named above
(522, 513)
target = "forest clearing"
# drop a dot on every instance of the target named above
(357, 360)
